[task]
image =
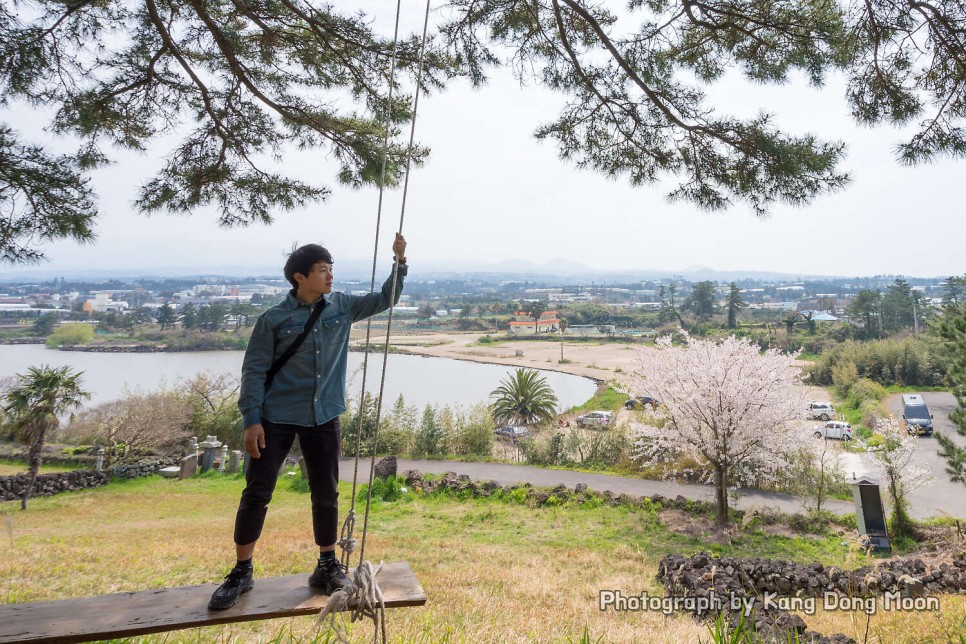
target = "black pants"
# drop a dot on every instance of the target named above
(320, 448)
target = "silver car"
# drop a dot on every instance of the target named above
(600, 419)
(820, 411)
(834, 429)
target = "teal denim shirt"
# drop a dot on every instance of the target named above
(310, 389)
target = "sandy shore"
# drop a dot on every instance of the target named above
(601, 361)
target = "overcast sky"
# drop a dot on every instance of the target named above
(490, 192)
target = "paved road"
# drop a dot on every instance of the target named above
(941, 497)
(506, 474)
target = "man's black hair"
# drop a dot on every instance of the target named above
(302, 259)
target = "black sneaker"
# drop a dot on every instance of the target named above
(329, 576)
(237, 582)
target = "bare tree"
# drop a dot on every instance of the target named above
(826, 471)
(135, 424)
(896, 456)
(214, 406)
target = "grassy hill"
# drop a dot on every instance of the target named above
(495, 569)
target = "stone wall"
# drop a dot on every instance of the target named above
(718, 580)
(12, 487)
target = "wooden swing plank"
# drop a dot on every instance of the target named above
(153, 611)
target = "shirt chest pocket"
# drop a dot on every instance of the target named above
(335, 328)
(286, 336)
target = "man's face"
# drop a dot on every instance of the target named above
(319, 279)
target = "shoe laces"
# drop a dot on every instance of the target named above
(236, 574)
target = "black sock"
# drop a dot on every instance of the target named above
(244, 565)
(327, 556)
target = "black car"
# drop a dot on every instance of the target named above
(641, 401)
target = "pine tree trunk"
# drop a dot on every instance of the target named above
(33, 460)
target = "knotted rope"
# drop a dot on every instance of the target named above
(361, 598)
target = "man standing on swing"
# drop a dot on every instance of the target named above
(293, 385)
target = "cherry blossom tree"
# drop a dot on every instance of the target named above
(725, 405)
(896, 456)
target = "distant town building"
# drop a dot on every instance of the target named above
(524, 324)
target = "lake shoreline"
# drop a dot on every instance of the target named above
(111, 374)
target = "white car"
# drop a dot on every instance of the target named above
(834, 429)
(820, 411)
(601, 419)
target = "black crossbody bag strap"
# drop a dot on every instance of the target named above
(282, 359)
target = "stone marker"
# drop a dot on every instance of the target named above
(99, 466)
(172, 472)
(210, 445)
(234, 461)
(189, 466)
(223, 458)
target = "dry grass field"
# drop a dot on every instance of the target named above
(494, 570)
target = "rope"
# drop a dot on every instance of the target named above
(369, 603)
(385, 345)
(375, 253)
(363, 587)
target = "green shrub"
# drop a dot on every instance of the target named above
(844, 375)
(909, 361)
(607, 399)
(71, 334)
(872, 410)
(863, 390)
(874, 440)
(388, 489)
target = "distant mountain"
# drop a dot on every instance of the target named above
(557, 270)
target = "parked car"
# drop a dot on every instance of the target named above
(641, 401)
(820, 411)
(512, 433)
(599, 419)
(834, 429)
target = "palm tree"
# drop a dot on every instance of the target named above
(524, 398)
(35, 405)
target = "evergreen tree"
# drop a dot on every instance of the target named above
(239, 83)
(429, 438)
(701, 301)
(954, 291)
(898, 306)
(735, 305)
(166, 316)
(189, 316)
(43, 325)
(952, 329)
(865, 306)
